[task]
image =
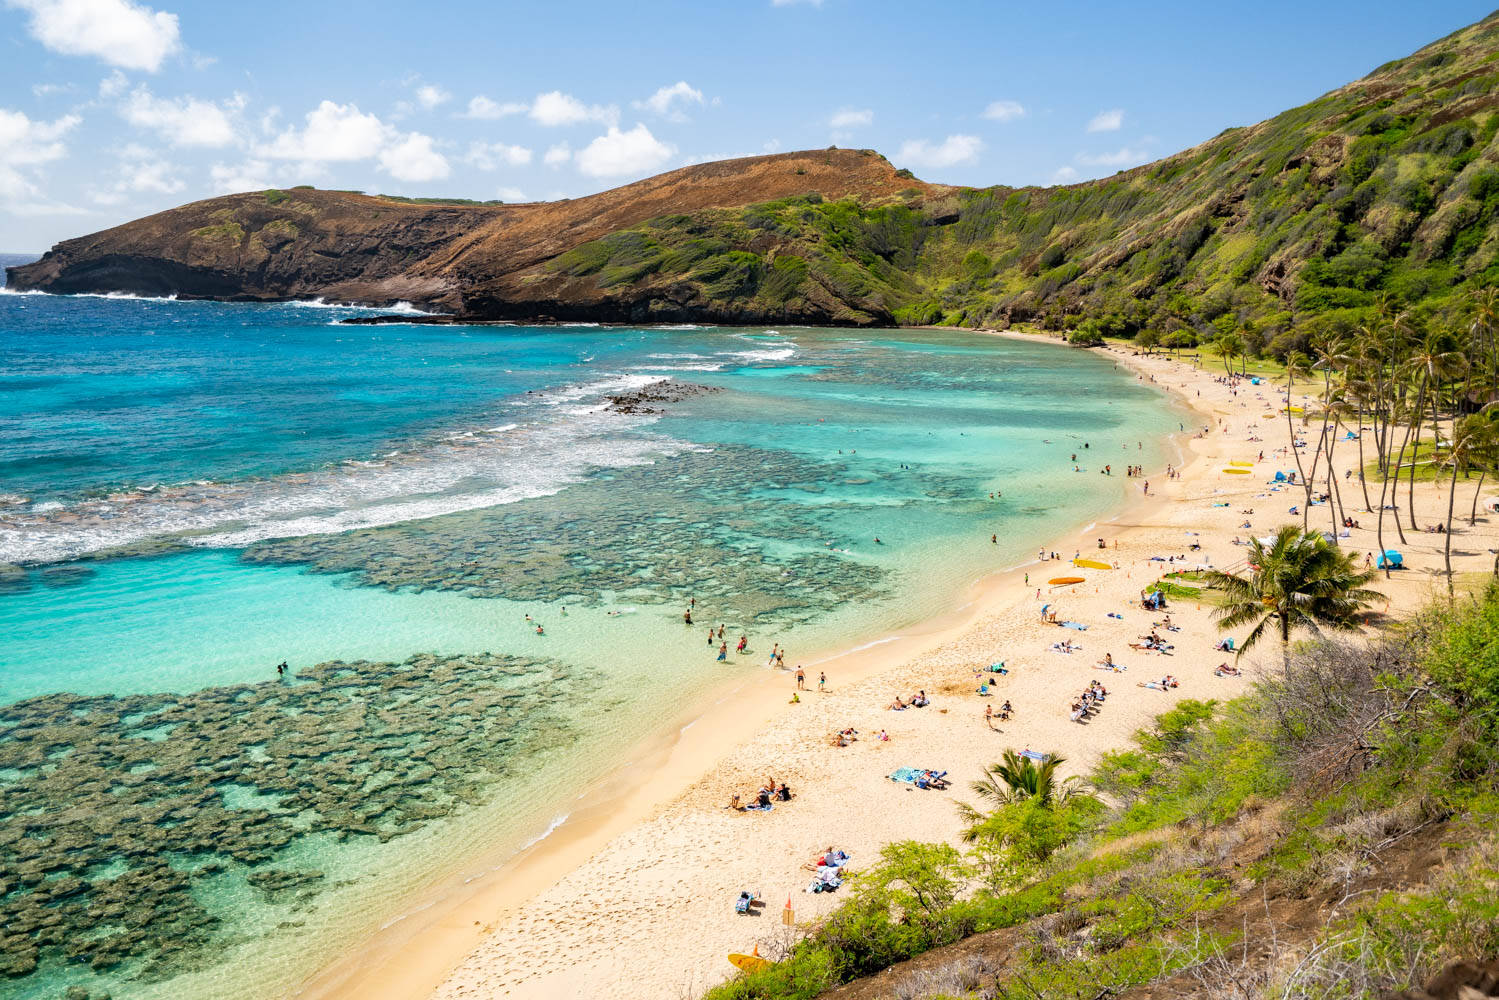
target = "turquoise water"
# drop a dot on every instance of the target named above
(196, 492)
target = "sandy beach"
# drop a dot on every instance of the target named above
(633, 894)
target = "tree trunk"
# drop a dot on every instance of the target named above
(1384, 485)
(1362, 485)
(1451, 502)
(1473, 516)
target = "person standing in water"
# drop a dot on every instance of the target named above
(723, 652)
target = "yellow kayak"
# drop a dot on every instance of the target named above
(1063, 581)
(749, 963)
(1090, 564)
(1237, 472)
(1243, 465)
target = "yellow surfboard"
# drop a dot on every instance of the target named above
(750, 963)
(1090, 564)
(1243, 465)
(1063, 581)
(1237, 472)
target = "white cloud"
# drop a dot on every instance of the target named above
(662, 100)
(483, 108)
(113, 85)
(849, 118)
(185, 121)
(253, 175)
(334, 132)
(120, 32)
(556, 108)
(140, 170)
(413, 158)
(1125, 157)
(492, 155)
(1064, 175)
(619, 153)
(953, 150)
(1004, 111)
(510, 194)
(26, 144)
(430, 95)
(558, 155)
(48, 89)
(1107, 121)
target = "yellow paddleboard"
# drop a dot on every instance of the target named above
(1090, 564)
(750, 963)
(1267, 416)
(1243, 465)
(1295, 409)
(1063, 581)
(1237, 472)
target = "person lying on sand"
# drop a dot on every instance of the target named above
(1226, 670)
(897, 705)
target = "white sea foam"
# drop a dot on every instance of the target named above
(768, 354)
(470, 470)
(126, 296)
(543, 835)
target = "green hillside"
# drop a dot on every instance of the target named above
(1386, 187)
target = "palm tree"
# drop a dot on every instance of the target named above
(1018, 779)
(1298, 581)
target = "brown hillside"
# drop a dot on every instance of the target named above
(346, 246)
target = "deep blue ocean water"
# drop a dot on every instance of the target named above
(194, 492)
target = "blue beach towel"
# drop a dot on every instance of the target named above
(1077, 625)
(906, 774)
(1035, 755)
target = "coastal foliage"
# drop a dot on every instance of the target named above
(1347, 777)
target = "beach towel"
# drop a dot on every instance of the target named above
(906, 774)
(998, 668)
(761, 809)
(1076, 625)
(1035, 755)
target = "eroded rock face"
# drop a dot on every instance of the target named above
(1459, 981)
(698, 528)
(112, 809)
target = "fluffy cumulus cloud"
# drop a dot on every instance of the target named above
(184, 121)
(333, 133)
(849, 118)
(617, 153)
(430, 96)
(485, 109)
(24, 146)
(341, 133)
(1107, 121)
(556, 108)
(557, 155)
(1004, 111)
(413, 158)
(953, 150)
(493, 155)
(119, 32)
(665, 102)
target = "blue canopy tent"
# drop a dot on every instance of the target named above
(1391, 560)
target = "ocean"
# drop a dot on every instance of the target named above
(192, 493)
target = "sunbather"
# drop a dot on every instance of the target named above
(1226, 670)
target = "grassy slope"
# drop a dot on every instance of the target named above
(1331, 834)
(1388, 185)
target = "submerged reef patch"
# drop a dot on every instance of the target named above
(114, 810)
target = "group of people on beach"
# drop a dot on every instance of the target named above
(762, 800)
(1087, 704)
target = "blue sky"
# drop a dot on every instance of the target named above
(112, 109)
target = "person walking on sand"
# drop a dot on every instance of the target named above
(989, 715)
(822, 682)
(801, 678)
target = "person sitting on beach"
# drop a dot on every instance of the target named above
(735, 804)
(1107, 662)
(919, 700)
(762, 798)
(1004, 711)
(896, 706)
(783, 793)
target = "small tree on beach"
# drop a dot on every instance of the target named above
(1298, 581)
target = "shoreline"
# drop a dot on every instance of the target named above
(415, 953)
